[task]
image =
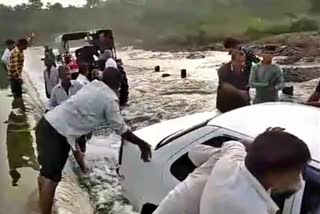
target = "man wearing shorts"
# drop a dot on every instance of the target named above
(58, 130)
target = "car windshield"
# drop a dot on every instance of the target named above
(180, 133)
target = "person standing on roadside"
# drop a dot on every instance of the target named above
(51, 76)
(267, 78)
(16, 67)
(5, 59)
(245, 176)
(57, 131)
(232, 44)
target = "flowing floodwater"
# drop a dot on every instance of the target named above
(18, 162)
(153, 98)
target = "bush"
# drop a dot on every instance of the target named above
(303, 24)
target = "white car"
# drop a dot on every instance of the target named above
(146, 184)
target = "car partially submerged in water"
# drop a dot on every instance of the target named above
(146, 184)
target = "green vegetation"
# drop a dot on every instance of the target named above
(157, 23)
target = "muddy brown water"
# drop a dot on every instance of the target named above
(18, 162)
(152, 99)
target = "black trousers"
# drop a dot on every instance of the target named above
(16, 87)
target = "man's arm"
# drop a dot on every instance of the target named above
(202, 153)
(251, 56)
(144, 147)
(280, 78)
(253, 82)
(52, 102)
(115, 119)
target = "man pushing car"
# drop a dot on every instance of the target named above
(57, 131)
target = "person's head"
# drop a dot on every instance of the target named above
(10, 44)
(277, 158)
(238, 58)
(64, 74)
(108, 54)
(67, 59)
(112, 77)
(22, 44)
(96, 74)
(48, 63)
(84, 69)
(232, 44)
(229, 98)
(267, 54)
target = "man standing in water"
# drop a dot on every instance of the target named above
(16, 67)
(232, 44)
(58, 130)
(267, 78)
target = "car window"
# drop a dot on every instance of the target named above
(180, 133)
(311, 195)
(183, 166)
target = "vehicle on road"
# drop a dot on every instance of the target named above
(146, 184)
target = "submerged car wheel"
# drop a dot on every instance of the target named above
(148, 209)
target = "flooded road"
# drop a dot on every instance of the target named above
(18, 162)
(152, 99)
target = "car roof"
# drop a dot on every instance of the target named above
(301, 120)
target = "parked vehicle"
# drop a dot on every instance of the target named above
(146, 184)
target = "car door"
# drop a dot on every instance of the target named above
(179, 166)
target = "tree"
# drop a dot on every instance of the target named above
(93, 3)
(56, 6)
(35, 4)
(20, 7)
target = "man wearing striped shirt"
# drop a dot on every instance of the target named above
(16, 67)
(234, 44)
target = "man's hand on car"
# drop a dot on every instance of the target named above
(146, 153)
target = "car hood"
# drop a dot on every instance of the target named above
(155, 133)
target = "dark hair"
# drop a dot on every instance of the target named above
(83, 68)
(9, 42)
(22, 42)
(235, 54)
(276, 151)
(231, 42)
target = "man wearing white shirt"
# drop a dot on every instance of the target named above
(51, 76)
(185, 197)
(243, 179)
(5, 59)
(57, 131)
(63, 90)
(83, 74)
